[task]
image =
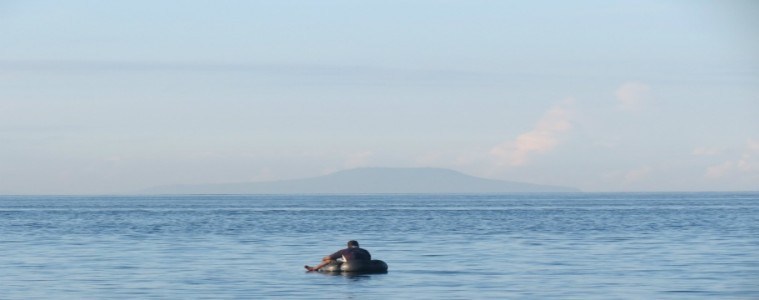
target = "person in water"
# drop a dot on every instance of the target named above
(353, 252)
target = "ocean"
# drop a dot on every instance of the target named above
(511, 246)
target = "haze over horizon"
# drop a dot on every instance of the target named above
(370, 181)
(112, 97)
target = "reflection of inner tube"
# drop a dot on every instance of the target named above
(357, 266)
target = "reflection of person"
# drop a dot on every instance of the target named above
(353, 252)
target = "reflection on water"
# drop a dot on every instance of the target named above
(349, 276)
(579, 246)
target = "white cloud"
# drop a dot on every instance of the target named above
(543, 138)
(632, 95)
(638, 174)
(719, 170)
(706, 151)
(359, 159)
(752, 145)
(747, 163)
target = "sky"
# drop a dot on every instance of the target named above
(101, 97)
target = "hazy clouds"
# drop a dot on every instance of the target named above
(104, 97)
(545, 136)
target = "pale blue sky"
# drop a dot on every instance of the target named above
(115, 96)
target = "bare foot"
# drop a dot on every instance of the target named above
(310, 269)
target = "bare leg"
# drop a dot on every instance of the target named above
(325, 262)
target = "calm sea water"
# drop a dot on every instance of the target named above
(578, 246)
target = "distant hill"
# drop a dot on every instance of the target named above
(369, 181)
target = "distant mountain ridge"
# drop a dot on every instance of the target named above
(369, 181)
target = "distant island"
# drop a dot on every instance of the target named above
(370, 181)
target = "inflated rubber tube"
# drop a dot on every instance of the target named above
(357, 266)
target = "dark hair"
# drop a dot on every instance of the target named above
(352, 243)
